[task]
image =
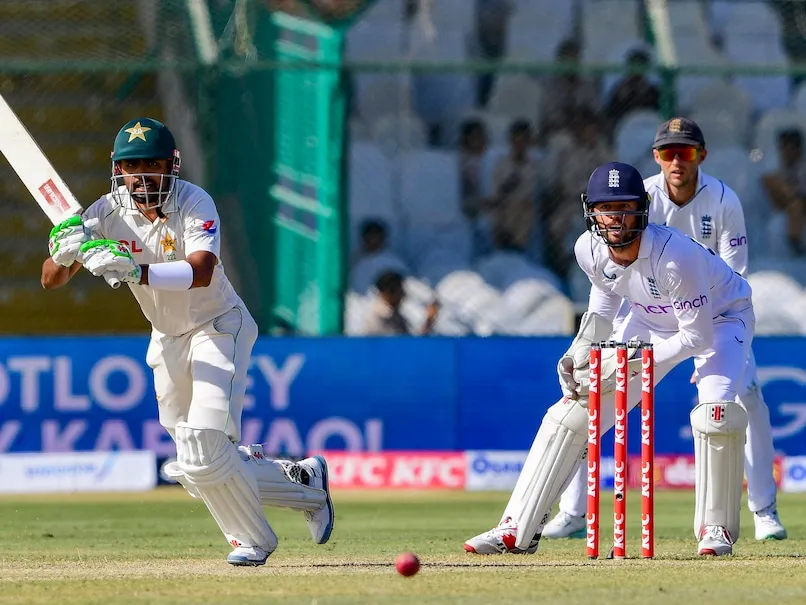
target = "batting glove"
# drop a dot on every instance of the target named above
(66, 239)
(104, 256)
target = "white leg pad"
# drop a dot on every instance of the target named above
(552, 461)
(212, 467)
(280, 485)
(173, 471)
(759, 451)
(719, 434)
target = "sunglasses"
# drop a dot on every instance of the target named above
(684, 152)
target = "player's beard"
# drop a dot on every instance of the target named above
(150, 193)
(619, 235)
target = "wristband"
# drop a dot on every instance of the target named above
(176, 275)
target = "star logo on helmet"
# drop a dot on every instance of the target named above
(137, 132)
(613, 178)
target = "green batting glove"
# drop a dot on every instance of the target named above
(104, 256)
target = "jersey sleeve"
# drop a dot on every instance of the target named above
(604, 303)
(733, 235)
(96, 216)
(686, 282)
(201, 227)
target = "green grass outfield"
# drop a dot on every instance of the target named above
(163, 547)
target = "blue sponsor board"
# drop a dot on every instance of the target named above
(68, 394)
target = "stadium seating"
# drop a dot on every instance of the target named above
(752, 36)
(606, 23)
(731, 104)
(399, 132)
(536, 29)
(776, 298)
(634, 135)
(517, 96)
(740, 116)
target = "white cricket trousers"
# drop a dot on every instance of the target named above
(200, 377)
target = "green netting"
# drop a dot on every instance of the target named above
(307, 193)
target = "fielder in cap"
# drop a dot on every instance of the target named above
(707, 210)
(161, 235)
(687, 302)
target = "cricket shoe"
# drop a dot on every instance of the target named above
(248, 556)
(320, 521)
(564, 525)
(714, 541)
(499, 540)
(768, 525)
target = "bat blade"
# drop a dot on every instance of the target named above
(36, 172)
(34, 169)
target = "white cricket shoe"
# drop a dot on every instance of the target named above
(499, 540)
(248, 556)
(564, 525)
(320, 522)
(715, 541)
(768, 525)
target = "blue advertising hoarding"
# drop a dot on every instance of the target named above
(72, 394)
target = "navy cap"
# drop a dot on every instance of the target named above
(679, 131)
(615, 181)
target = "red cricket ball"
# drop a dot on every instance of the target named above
(407, 564)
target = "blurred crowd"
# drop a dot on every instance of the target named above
(471, 177)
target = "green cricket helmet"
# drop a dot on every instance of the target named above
(144, 139)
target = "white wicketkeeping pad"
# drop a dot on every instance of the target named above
(549, 467)
(719, 434)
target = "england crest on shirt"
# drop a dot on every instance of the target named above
(706, 226)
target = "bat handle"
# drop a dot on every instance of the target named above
(113, 281)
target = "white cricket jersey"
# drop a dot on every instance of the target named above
(714, 217)
(676, 287)
(191, 224)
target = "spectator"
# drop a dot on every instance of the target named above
(384, 317)
(572, 159)
(374, 257)
(472, 146)
(492, 20)
(634, 91)
(511, 208)
(786, 187)
(568, 92)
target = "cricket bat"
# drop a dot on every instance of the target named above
(36, 172)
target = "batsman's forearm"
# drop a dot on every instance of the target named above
(55, 276)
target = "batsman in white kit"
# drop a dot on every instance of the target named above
(161, 236)
(684, 300)
(707, 210)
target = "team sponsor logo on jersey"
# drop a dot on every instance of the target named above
(677, 305)
(210, 227)
(653, 287)
(706, 226)
(738, 240)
